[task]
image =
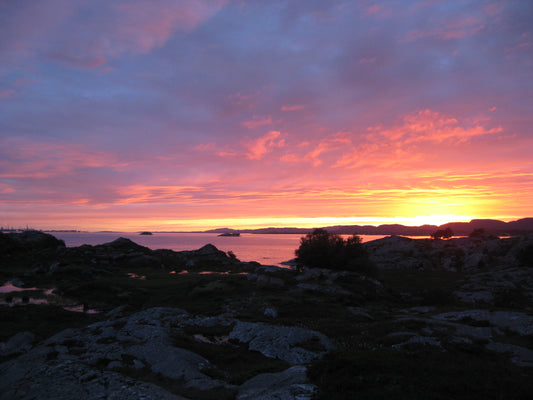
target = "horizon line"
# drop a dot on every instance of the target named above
(205, 229)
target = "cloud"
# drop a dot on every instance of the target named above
(87, 35)
(408, 142)
(22, 158)
(145, 26)
(331, 143)
(257, 121)
(293, 107)
(6, 93)
(259, 147)
(139, 194)
(457, 29)
(432, 126)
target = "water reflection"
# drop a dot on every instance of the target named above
(186, 272)
(136, 276)
(17, 296)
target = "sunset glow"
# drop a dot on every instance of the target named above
(191, 115)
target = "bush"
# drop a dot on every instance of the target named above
(442, 234)
(321, 249)
(525, 256)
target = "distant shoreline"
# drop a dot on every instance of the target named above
(492, 226)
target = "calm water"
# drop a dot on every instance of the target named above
(265, 249)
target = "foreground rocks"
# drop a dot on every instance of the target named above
(96, 361)
(495, 271)
(454, 317)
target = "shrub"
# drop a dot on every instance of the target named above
(478, 232)
(525, 255)
(325, 250)
(442, 234)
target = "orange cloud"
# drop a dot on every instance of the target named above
(259, 147)
(431, 126)
(334, 142)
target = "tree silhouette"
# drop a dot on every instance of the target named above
(442, 234)
(321, 249)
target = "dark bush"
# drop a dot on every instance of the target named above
(442, 234)
(525, 256)
(321, 249)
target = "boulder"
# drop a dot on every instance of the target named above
(66, 380)
(19, 343)
(520, 356)
(475, 261)
(291, 384)
(282, 342)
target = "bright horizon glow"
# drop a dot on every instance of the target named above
(200, 114)
(256, 223)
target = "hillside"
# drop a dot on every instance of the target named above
(495, 227)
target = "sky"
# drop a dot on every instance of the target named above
(198, 114)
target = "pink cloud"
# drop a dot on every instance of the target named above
(493, 9)
(457, 29)
(145, 25)
(206, 147)
(257, 121)
(377, 10)
(374, 9)
(227, 153)
(334, 142)
(35, 159)
(431, 126)
(87, 35)
(406, 144)
(259, 147)
(139, 194)
(85, 61)
(4, 188)
(294, 107)
(6, 93)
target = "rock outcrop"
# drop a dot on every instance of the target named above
(98, 360)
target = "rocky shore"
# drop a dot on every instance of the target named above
(436, 319)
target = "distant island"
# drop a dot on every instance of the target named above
(146, 233)
(230, 234)
(493, 226)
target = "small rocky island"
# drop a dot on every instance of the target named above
(425, 318)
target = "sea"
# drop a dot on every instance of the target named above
(267, 249)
